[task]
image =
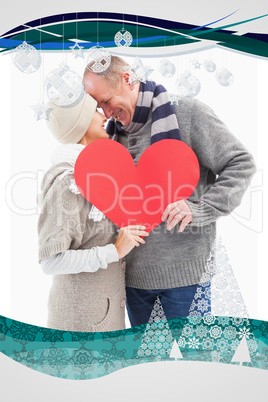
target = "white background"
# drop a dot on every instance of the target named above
(26, 147)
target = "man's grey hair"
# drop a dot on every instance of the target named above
(112, 74)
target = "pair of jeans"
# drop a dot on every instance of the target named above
(176, 302)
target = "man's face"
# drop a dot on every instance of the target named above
(119, 103)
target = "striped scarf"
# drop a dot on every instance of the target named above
(164, 122)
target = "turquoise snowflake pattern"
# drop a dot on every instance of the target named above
(23, 332)
(52, 336)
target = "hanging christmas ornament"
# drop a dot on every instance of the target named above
(26, 58)
(196, 64)
(98, 59)
(64, 87)
(166, 68)
(138, 72)
(41, 111)
(209, 65)
(224, 77)
(188, 85)
(123, 38)
(77, 51)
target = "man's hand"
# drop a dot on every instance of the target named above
(176, 212)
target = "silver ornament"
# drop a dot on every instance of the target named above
(209, 65)
(166, 68)
(224, 77)
(26, 58)
(123, 38)
(188, 85)
(98, 59)
(64, 86)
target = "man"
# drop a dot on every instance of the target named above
(176, 254)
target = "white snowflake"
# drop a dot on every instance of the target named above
(209, 320)
(215, 332)
(203, 305)
(244, 332)
(193, 343)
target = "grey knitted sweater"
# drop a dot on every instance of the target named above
(170, 259)
(87, 301)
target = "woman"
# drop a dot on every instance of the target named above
(77, 244)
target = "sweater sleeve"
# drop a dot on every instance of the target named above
(62, 220)
(220, 152)
(76, 261)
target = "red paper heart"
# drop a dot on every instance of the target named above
(106, 176)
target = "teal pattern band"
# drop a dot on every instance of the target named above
(83, 356)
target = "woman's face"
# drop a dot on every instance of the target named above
(96, 129)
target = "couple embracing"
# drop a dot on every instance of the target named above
(98, 269)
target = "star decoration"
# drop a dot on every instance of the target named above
(77, 50)
(175, 100)
(138, 72)
(41, 111)
(196, 64)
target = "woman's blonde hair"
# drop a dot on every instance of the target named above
(112, 74)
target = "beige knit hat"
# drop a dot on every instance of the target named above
(69, 124)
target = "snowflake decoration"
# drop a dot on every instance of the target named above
(222, 345)
(201, 331)
(215, 332)
(98, 59)
(26, 58)
(207, 344)
(41, 111)
(123, 38)
(244, 332)
(138, 72)
(64, 86)
(187, 330)
(193, 343)
(209, 320)
(77, 50)
(196, 64)
(166, 68)
(230, 332)
(215, 356)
